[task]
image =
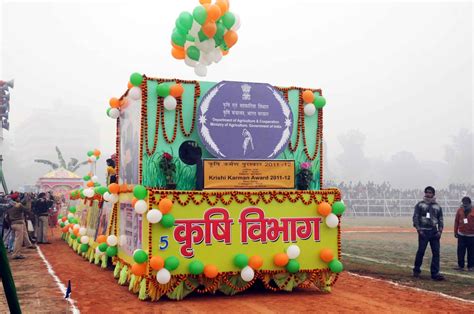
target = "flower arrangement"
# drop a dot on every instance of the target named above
(168, 167)
(304, 176)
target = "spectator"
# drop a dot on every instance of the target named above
(464, 232)
(41, 208)
(16, 218)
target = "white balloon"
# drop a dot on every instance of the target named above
(154, 216)
(170, 103)
(190, 62)
(163, 276)
(205, 58)
(99, 252)
(293, 251)
(70, 215)
(94, 179)
(309, 110)
(71, 231)
(59, 221)
(85, 239)
(89, 192)
(195, 29)
(93, 158)
(122, 240)
(76, 226)
(140, 207)
(114, 198)
(247, 273)
(200, 70)
(187, 44)
(106, 196)
(82, 231)
(114, 113)
(208, 45)
(332, 221)
(216, 55)
(135, 93)
(236, 25)
(112, 240)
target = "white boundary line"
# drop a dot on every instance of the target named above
(61, 286)
(412, 288)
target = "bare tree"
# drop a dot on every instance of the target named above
(72, 165)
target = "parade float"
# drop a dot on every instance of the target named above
(220, 187)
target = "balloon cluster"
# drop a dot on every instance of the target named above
(134, 93)
(248, 265)
(164, 267)
(204, 36)
(170, 92)
(160, 215)
(111, 195)
(288, 259)
(93, 155)
(312, 102)
(331, 212)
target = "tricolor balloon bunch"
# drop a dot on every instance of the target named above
(334, 264)
(331, 213)
(93, 155)
(170, 92)
(204, 36)
(247, 265)
(160, 215)
(134, 93)
(67, 222)
(312, 101)
(288, 259)
(164, 267)
(111, 195)
(108, 245)
(139, 267)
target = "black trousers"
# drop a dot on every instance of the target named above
(429, 236)
(465, 244)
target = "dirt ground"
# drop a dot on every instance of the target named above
(96, 291)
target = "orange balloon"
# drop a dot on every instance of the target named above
(96, 152)
(129, 85)
(76, 232)
(157, 262)
(101, 239)
(223, 5)
(205, 1)
(114, 188)
(213, 13)
(165, 205)
(178, 53)
(114, 102)
(324, 209)
(209, 29)
(65, 229)
(176, 90)
(308, 96)
(139, 269)
(64, 218)
(90, 184)
(326, 255)
(255, 262)
(230, 38)
(134, 201)
(176, 46)
(225, 52)
(211, 271)
(280, 259)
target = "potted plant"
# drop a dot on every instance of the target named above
(168, 168)
(304, 176)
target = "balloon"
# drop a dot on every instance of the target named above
(336, 266)
(139, 269)
(112, 240)
(223, 5)
(216, 55)
(255, 262)
(136, 79)
(94, 179)
(319, 102)
(72, 209)
(186, 20)
(176, 90)
(180, 28)
(165, 205)
(171, 263)
(193, 53)
(70, 215)
(82, 231)
(163, 276)
(208, 45)
(114, 113)
(114, 198)
(326, 255)
(204, 1)
(114, 103)
(200, 14)
(293, 266)
(140, 192)
(293, 251)
(209, 29)
(102, 190)
(73, 236)
(201, 36)
(324, 209)
(157, 262)
(140, 256)
(241, 260)
(228, 19)
(154, 216)
(135, 93)
(90, 184)
(167, 221)
(84, 239)
(177, 53)
(64, 219)
(308, 96)
(196, 267)
(193, 32)
(309, 110)
(200, 70)
(141, 207)
(114, 188)
(101, 239)
(211, 271)
(89, 192)
(280, 259)
(84, 247)
(332, 221)
(220, 30)
(236, 25)
(214, 13)
(163, 89)
(90, 153)
(170, 103)
(106, 196)
(247, 274)
(178, 39)
(338, 208)
(111, 251)
(103, 247)
(230, 38)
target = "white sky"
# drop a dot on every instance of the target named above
(399, 72)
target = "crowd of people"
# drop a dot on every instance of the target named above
(25, 219)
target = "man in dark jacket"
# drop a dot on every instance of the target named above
(41, 208)
(16, 217)
(428, 221)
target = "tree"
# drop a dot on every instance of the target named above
(459, 155)
(72, 165)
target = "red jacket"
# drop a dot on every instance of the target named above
(460, 226)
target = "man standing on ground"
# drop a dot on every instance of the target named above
(16, 216)
(41, 209)
(464, 232)
(428, 221)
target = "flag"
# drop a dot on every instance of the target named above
(68, 290)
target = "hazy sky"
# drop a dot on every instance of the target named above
(401, 73)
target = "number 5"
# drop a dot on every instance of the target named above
(164, 242)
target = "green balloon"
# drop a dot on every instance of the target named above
(220, 31)
(108, 111)
(196, 267)
(219, 41)
(111, 251)
(202, 36)
(186, 20)
(102, 189)
(167, 221)
(319, 102)
(75, 221)
(241, 260)
(72, 209)
(84, 247)
(70, 219)
(90, 153)
(78, 240)
(336, 266)
(73, 236)
(86, 178)
(193, 53)
(293, 266)
(140, 192)
(338, 208)
(81, 193)
(180, 28)
(228, 19)
(200, 14)
(171, 263)
(103, 247)
(60, 216)
(136, 79)
(140, 256)
(163, 89)
(178, 39)
(190, 38)
(97, 184)
(62, 224)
